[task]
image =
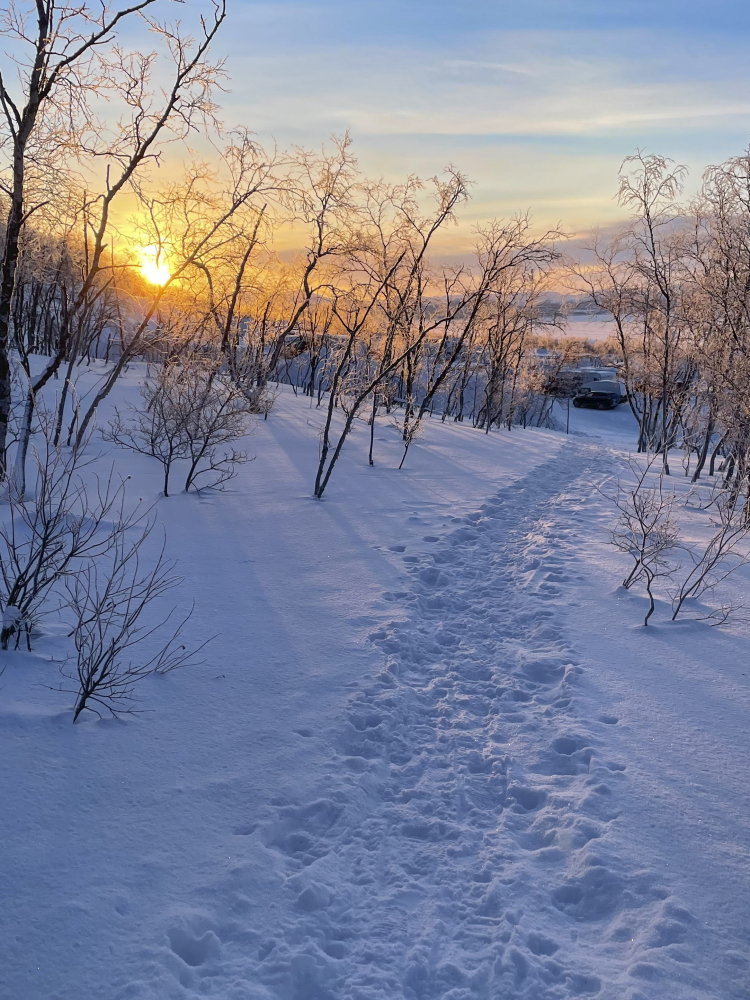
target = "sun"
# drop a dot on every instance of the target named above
(154, 267)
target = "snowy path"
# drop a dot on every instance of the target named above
(474, 850)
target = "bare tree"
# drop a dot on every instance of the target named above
(378, 268)
(73, 55)
(640, 276)
(501, 248)
(156, 427)
(216, 413)
(720, 318)
(54, 81)
(189, 410)
(195, 223)
(321, 199)
(512, 313)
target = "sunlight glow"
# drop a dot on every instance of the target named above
(154, 267)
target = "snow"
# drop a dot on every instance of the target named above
(431, 752)
(585, 328)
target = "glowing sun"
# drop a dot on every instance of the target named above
(154, 267)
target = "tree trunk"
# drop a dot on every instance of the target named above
(372, 425)
(105, 390)
(28, 415)
(704, 451)
(715, 455)
(63, 399)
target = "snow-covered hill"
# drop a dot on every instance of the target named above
(432, 753)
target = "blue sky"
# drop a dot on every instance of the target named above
(537, 101)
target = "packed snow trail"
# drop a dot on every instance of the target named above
(473, 852)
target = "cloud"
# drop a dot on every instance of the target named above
(538, 102)
(473, 68)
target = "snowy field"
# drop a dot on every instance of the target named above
(589, 329)
(431, 754)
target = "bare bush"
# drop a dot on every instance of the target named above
(248, 374)
(49, 536)
(646, 530)
(156, 427)
(216, 412)
(110, 599)
(712, 563)
(190, 410)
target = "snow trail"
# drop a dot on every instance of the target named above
(470, 850)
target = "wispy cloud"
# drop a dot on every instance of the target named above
(531, 101)
(472, 67)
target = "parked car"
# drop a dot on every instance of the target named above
(597, 400)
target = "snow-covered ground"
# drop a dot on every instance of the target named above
(432, 752)
(589, 328)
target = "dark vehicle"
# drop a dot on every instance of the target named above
(597, 400)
